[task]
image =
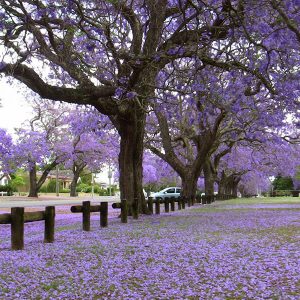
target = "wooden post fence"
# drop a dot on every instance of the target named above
(86, 215)
(135, 208)
(86, 209)
(167, 206)
(157, 206)
(18, 217)
(179, 203)
(103, 214)
(17, 228)
(172, 201)
(183, 202)
(150, 204)
(49, 224)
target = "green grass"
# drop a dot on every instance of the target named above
(267, 200)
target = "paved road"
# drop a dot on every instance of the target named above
(8, 202)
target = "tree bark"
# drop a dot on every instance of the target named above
(131, 132)
(209, 179)
(74, 184)
(189, 185)
(35, 184)
(234, 185)
(33, 190)
(222, 185)
(76, 173)
(228, 185)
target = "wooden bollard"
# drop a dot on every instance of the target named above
(157, 206)
(93, 208)
(17, 228)
(135, 209)
(167, 207)
(103, 214)
(124, 211)
(172, 203)
(183, 202)
(189, 202)
(179, 203)
(86, 215)
(49, 224)
(150, 204)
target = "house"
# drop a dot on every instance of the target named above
(64, 177)
(4, 178)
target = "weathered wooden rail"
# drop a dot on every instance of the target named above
(154, 205)
(86, 209)
(17, 217)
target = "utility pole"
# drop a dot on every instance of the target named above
(57, 182)
(109, 178)
(92, 185)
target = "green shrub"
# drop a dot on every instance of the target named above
(88, 189)
(51, 187)
(283, 183)
(43, 189)
(85, 188)
(17, 181)
(113, 192)
(103, 192)
(7, 188)
(82, 187)
(64, 191)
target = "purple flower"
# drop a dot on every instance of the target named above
(131, 95)
(2, 65)
(119, 92)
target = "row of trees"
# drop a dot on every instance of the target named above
(78, 139)
(193, 81)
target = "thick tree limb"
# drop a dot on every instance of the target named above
(97, 96)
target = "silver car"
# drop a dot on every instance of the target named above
(167, 192)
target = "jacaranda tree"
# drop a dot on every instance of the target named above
(36, 141)
(6, 145)
(87, 142)
(108, 54)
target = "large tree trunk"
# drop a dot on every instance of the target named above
(131, 132)
(209, 179)
(74, 184)
(189, 185)
(209, 186)
(222, 186)
(33, 189)
(35, 184)
(234, 185)
(228, 185)
(76, 173)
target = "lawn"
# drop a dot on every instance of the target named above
(237, 249)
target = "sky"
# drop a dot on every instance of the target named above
(14, 109)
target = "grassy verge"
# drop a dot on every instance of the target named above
(267, 200)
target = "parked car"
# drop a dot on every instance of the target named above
(145, 194)
(167, 192)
